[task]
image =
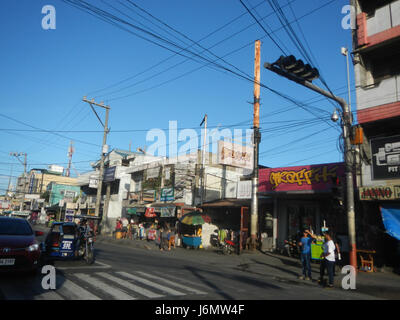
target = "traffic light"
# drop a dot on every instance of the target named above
(297, 67)
(338, 193)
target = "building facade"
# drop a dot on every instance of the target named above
(376, 50)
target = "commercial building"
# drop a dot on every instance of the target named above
(376, 50)
(301, 197)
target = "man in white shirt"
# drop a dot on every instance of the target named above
(328, 261)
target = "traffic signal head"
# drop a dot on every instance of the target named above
(297, 67)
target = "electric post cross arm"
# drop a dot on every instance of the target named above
(101, 173)
(295, 70)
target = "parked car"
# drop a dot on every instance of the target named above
(19, 249)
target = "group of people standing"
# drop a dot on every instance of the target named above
(162, 233)
(328, 257)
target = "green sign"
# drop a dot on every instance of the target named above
(167, 194)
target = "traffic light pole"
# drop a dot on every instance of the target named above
(347, 122)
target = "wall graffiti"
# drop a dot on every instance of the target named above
(304, 176)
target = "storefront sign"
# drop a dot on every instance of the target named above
(304, 178)
(235, 155)
(167, 194)
(380, 193)
(109, 174)
(93, 182)
(385, 158)
(149, 195)
(231, 190)
(244, 189)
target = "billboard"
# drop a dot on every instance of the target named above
(235, 155)
(301, 178)
(385, 158)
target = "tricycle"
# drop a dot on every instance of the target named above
(67, 241)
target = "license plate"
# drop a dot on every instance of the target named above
(7, 262)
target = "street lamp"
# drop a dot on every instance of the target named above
(345, 52)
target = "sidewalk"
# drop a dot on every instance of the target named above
(384, 285)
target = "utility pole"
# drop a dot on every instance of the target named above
(203, 160)
(17, 155)
(256, 142)
(296, 71)
(103, 151)
(70, 153)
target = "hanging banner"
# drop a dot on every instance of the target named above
(150, 213)
(167, 212)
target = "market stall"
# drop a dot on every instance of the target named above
(191, 228)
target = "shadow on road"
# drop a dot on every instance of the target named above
(202, 276)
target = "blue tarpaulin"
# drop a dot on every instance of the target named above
(391, 219)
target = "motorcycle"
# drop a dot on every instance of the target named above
(86, 249)
(291, 248)
(228, 247)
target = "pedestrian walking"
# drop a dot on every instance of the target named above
(305, 255)
(141, 232)
(171, 239)
(328, 261)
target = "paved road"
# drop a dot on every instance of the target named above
(125, 273)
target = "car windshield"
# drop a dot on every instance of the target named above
(15, 227)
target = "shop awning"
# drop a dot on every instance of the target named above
(391, 219)
(227, 203)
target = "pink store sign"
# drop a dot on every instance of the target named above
(303, 178)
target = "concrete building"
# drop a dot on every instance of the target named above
(376, 50)
(37, 182)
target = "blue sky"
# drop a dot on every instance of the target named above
(45, 74)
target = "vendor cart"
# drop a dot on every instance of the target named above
(191, 241)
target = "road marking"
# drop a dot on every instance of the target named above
(152, 284)
(101, 266)
(49, 295)
(77, 292)
(171, 283)
(129, 285)
(117, 294)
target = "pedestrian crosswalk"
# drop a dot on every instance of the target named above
(108, 285)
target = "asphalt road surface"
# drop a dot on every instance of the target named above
(126, 273)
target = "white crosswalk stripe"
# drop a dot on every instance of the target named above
(173, 283)
(101, 285)
(48, 295)
(152, 284)
(128, 285)
(75, 292)
(115, 293)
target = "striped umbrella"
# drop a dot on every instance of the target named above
(195, 218)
